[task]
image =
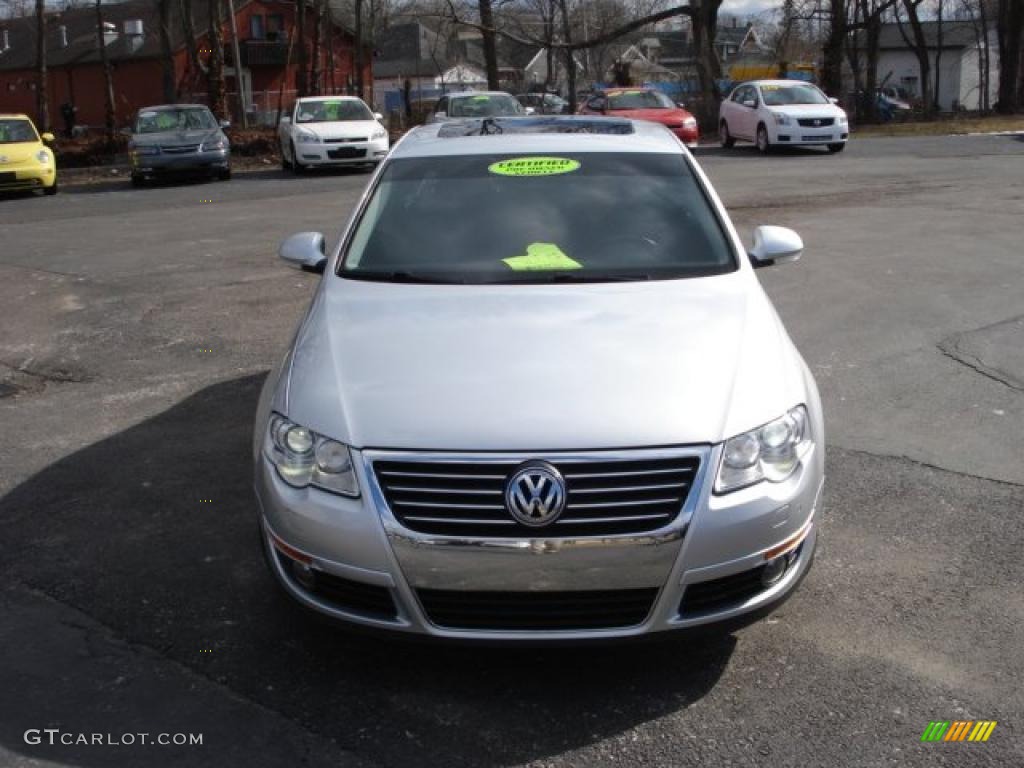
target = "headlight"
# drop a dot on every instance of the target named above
(379, 133)
(771, 452)
(780, 119)
(842, 119)
(690, 122)
(303, 458)
(43, 157)
(305, 137)
(141, 151)
(211, 145)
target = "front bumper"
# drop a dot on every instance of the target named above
(27, 176)
(347, 153)
(799, 136)
(376, 573)
(166, 164)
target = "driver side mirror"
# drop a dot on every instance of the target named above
(285, 119)
(751, 103)
(834, 101)
(378, 116)
(530, 110)
(775, 245)
(48, 138)
(225, 123)
(306, 250)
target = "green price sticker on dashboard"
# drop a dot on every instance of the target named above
(534, 166)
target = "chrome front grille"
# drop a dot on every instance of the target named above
(604, 496)
(179, 149)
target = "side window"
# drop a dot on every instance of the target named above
(256, 28)
(737, 95)
(597, 103)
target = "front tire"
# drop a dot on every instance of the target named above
(297, 167)
(51, 190)
(835, 148)
(224, 175)
(138, 182)
(763, 145)
(728, 142)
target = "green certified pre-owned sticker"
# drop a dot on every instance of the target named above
(534, 166)
(542, 256)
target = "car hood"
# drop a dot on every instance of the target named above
(808, 110)
(342, 129)
(540, 367)
(176, 138)
(18, 152)
(664, 116)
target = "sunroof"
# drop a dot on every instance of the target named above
(492, 126)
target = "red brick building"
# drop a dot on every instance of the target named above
(75, 74)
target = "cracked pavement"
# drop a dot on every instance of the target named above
(137, 325)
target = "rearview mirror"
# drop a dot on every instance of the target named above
(775, 245)
(305, 249)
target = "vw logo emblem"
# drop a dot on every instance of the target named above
(535, 494)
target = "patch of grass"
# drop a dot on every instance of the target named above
(945, 127)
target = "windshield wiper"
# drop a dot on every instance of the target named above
(572, 277)
(400, 277)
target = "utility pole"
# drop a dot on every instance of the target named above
(238, 65)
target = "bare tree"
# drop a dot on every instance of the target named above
(1010, 30)
(108, 75)
(215, 71)
(918, 43)
(301, 57)
(166, 51)
(42, 96)
(487, 33)
(832, 52)
(315, 86)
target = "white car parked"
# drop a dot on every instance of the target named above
(331, 131)
(784, 113)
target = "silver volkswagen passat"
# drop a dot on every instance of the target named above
(540, 394)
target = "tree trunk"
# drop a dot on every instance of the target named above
(42, 95)
(1009, 24)
(709, 68)
(166, 53)
(318, 30)
(938, 53)
(570, 55)
(920, 46)
(872, 34)
(215, 72)
(301, 59)
(188, 28)
(832, 53)
(108, 77)
(984, 64)
(357, 58)
(490, 49)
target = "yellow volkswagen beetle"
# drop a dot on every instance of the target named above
(25, 160)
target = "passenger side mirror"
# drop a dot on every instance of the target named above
(225, 123)
(530, 111)
(378, 116)
(48, 138)
(126, 131)
(285, 119)
(751, 103)
(834, 101)
(440, 115)
(775, 245)
(305, 249)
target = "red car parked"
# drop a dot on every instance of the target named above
(644, 104)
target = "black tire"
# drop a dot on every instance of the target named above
(138, 182)
(224, 175)
(728, 142)
(297, 167)
(834, 148)
(763, 145)
(50, 190)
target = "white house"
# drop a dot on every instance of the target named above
(957, 68)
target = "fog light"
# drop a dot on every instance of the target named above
(304, 574)
(774, 570)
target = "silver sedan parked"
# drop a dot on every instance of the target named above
(524, 406)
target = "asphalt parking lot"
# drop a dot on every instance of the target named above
(137, 326)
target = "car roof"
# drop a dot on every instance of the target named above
(425, 140)
(620, 88)
(14, 116)
(460, 94)
(329, 98)
(777, 82)
(168, 107)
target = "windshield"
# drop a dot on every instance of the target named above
(158, 121)
(337, 111)
(17, 131)
(639, 100)
(783, 95)
(504, 219)
(484, 105)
